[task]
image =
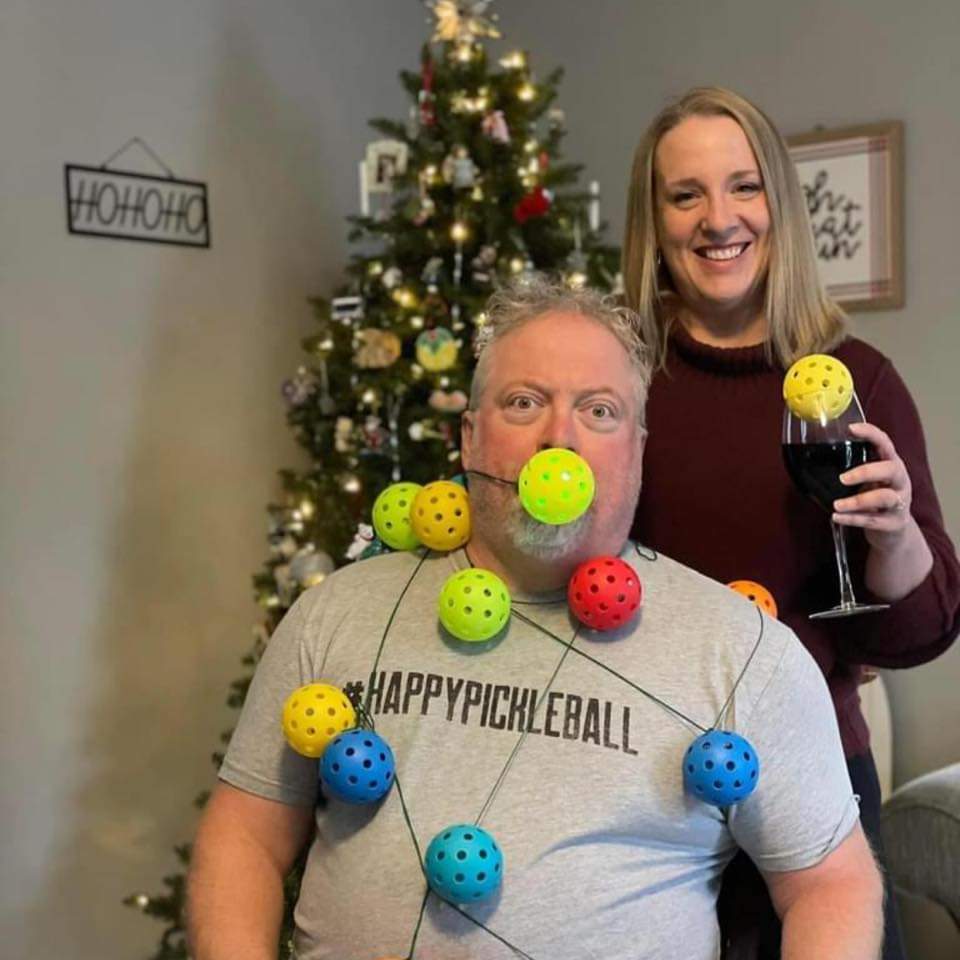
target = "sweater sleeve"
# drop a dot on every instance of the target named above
(921, 625)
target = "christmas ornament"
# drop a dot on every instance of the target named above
(376, 349)
(297, 390)
(482, 265)
(494, 125)
(361, 540)
(818, 387)
(391, 277)
(425, 98)
(556, 119)
(310, 566)
(358, 767)
(463, 864)
(343, 435)
(757, 594)
(455, 402)
(391, 516)
(461, 20)
(532, 205)
(346, 309)
(474, 605)
(459, 169)
(437, 349)
(556, 486)
(431, 271)
(375, 435)
(313, 715)
(441, 516)
(604, 593)
(720, 768)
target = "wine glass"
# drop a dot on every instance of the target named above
(816, 452)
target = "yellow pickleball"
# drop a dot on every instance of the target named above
(556, 486)
(441, 515)
(818, 387)
(313, 715)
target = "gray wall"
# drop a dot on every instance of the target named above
(141, 422)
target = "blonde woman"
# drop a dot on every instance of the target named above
(719, 263)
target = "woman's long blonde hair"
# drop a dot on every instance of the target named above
(801, 317)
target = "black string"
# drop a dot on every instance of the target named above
(143, 144)
(756, 646)
(523, 736)
(386, 630)
(490, 476)
(610, 670)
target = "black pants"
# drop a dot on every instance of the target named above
(749, 927)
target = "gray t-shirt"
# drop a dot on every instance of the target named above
(574, 771)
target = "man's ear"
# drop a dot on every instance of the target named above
(467, 427)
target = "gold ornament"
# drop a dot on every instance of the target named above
(377, 349)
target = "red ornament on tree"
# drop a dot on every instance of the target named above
(534, 204)
(428, 115)
(604, 593)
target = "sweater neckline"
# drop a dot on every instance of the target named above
(729, 360)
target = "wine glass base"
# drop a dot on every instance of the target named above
(848, 610)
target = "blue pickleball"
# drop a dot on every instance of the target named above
(463, 864)
(358, 767)
(720, 768)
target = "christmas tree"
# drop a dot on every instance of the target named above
(466, 193)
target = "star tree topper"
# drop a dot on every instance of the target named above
(461, 20)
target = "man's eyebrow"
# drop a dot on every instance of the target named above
(541, 388)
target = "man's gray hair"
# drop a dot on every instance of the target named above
(525, 300)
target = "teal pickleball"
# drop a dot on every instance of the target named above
(474, 605)
(556, 486)
(391, 516)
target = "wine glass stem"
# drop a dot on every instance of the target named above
(847, 598)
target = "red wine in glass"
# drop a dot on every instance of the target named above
(816, 452)
(815, 468)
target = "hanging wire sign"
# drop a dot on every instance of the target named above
(126, 205)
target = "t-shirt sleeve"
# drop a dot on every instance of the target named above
(803, 806)
(258, 758)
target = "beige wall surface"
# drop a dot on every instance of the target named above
(141, 420)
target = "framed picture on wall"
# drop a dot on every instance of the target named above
(853, 182)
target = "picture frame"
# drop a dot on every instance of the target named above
(852, 178)
(384, 159)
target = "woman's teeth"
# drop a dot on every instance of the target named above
(723, 253)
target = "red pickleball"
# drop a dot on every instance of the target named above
(604, 593)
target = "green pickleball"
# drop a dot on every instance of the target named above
(391, 516)
(556, 486)
(474, 605)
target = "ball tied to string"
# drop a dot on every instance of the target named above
(391, 515)
(818, 387)
(721, 768)
(463, 864)
(358, 767)
(474, 605)
(440, 515)
(313, 715)
(604, 593)
(757, 594)
(556, 486)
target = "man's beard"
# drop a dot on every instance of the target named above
(543, 541)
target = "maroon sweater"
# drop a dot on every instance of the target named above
(716, 496)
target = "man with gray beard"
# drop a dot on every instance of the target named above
(566, 744)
